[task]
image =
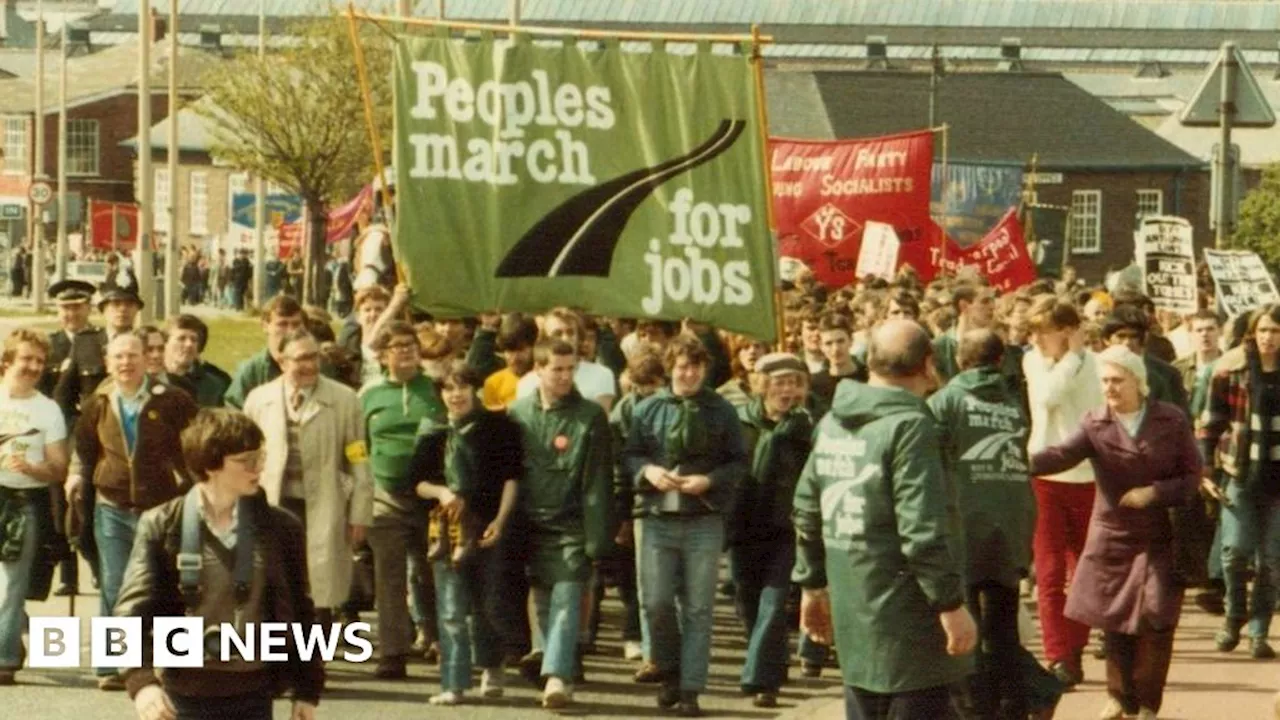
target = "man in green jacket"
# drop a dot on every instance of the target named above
(396, 409)
(281, 317)
(873, 525)
(567, 499)
(205, 382)
(983, 435)
(686, 455)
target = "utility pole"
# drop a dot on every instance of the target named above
(143, 265)
(37, 211)
(439, 9)
(1223, 160)
(935, 74)
(173, 248)
(259, 190)
(513, 12)
(60, 265)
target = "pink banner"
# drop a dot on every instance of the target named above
(342, 218)
(1001, 256)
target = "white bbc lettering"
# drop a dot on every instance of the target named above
(177, 642)
(115, 642)
(55, 642)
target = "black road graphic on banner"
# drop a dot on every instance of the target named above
(579, 237)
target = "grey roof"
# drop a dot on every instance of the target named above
(1040, 23)
(1003, 117)
(795, 106)
(113, 68)
(194, 130)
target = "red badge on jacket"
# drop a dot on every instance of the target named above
(561, 443)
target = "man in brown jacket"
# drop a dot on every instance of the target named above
(127, 439)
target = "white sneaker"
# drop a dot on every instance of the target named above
(1146, 714)
(448, 697)
(632, 650)
(1113, 710)
(557, 694)
(493, 681)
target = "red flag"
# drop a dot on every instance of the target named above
(341, 219)
(108, 219)
(1001, 256)
(824, 192)
(288, 239)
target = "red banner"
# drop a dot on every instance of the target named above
(119, 220)
(342, 218)
(288, 239)
(825, 192)
(1001, 256)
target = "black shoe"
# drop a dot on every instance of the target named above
(689, 705)
(391, 668)
(531, 668)
(668, 697)
(1211, 601)
(1066, 674)
(1260, 649)
(1228, 637)
(66, 591)
(810, 670)
(728, 589)
(765, 700)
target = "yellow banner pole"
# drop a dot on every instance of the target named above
(945, 131)
(762, 119)
(375, 140)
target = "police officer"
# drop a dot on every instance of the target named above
(72, 298)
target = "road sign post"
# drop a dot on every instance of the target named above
(1228, 96)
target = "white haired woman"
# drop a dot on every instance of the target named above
(1145, 461)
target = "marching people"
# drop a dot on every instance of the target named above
(836, 334)
(127, 440)
(567, 501)
(205, 382)
(397, 409)
(1146, 461)
(252, 569)
(1062, 385)
(686, 455)
(1128, 326)
(877, 552)
(759, 530)
(593, 381)
(473, 463)
(281, 317)
(974, 306)
(80, 378)
(1243, 407)
(72, 299)
(33, 460)
(153, 342)
(983, 431)
(744, 352)
(514, 341)
(316, 462)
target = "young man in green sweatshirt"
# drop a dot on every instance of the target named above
(396, 409)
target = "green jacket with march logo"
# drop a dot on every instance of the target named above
(873, 526)
(984, 447)
(567, 490)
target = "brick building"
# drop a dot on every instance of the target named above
(1108, 169)
(102, 112)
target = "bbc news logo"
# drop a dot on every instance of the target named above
(185, 642)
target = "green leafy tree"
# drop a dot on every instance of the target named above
(1258, 227)
(296, 118)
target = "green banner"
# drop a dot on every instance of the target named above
(624, 183)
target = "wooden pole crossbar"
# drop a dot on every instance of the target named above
(571, 33)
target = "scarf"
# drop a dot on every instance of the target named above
(687, 433)
(460, 464)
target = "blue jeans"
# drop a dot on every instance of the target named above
(114, 530)
(559, 610)
(453, 604)
(762, 576)
(638, 529)
(1250, 530)
(680, 559)
(14, 580)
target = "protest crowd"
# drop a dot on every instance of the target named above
(883, 490)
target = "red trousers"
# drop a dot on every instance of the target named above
(1062, 524)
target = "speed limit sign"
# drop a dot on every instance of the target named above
(40, 193)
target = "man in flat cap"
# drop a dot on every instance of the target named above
(72, 298)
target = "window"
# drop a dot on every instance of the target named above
(1086, 221)
(15, 145)
(237, 184)
(160, 201)
(1150, 202)
(82, 147)
(199, 208)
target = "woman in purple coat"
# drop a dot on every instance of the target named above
(1145, 461)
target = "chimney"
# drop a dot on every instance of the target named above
(211, 38)
(158, 27)
(1011, 54)
(877, 52)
